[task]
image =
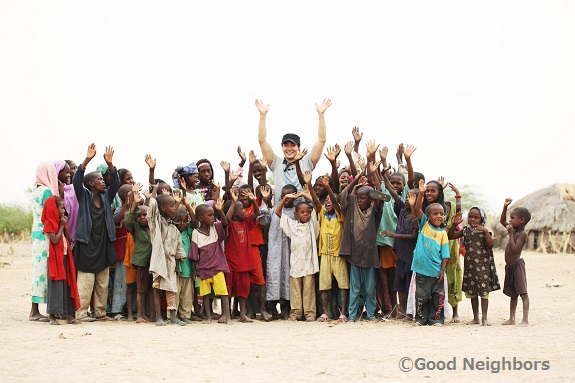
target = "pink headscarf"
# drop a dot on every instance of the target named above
(70, 201)
(47, 175)
(59, 165)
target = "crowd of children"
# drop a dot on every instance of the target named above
(365, 241)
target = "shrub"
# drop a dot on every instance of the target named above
(15, 220)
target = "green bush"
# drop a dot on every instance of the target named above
(15, 219)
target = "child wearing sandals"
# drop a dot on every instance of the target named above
(429, 262)
(62, 296)
(331, 222)
(303, 232)
(479, 273)
(206, 248)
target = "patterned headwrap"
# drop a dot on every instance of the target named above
(47, 175)
(102, 169)
(481, 213)
(180, 171)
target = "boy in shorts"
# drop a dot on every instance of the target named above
(331, 222)
(515, 277)
(206, 248)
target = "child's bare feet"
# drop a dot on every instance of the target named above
(523, 324)
(485, 322)
(474, 321)
(266, 317)
(244, 319)
(207, 320)
(141, 320)
(509, 322)
(455, 319)
(53, 320)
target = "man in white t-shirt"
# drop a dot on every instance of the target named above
(283, 168)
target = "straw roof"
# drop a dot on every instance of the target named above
(552, 209)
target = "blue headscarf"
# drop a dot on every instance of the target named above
(191, 168)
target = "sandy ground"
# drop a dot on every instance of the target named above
(362, 351)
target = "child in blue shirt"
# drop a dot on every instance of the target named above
(429, 262)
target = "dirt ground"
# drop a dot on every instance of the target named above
(281, 350)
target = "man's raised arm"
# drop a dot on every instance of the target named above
(317, 148)
(265, 146)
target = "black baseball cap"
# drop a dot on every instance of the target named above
(291, 137)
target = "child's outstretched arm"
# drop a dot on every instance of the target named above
(332, 196)
(419, 202)
(253, 200)
(253, 160)
(457, 197)
(383, 157)
(231, 210)
(331, 155)
(317, 148)
(348, 148)
(407, 152)
(114, 177)
(353, 184)
(78, 179)
(134, 199)
(503, 219)
(265, 146)
(314, 199)
(264, 165)
(357, 136)
(242, 157)
(265, 191)
(91, 153)
(453, 233)
(297, 159)
(151, 162)
(227, 181)
(191, 211)
(283, 202)
(218, 206)
(390, 187)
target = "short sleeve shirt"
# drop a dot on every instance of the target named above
(431, 248)
(284, 173)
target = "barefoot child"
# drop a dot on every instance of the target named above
(185, 222)
(358, 247)
(479, 273)
(206, 248)
(255, 235)
(278, 261)
(429, 262)
(136, 221)
(63, 297)
(515, 278)
(238, 248)
(303, 232)
(404, 240)
(166, 250)
(331, 222)
(95, 232)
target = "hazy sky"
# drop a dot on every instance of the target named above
(485, 90)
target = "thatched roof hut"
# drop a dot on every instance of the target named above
(552, 218)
